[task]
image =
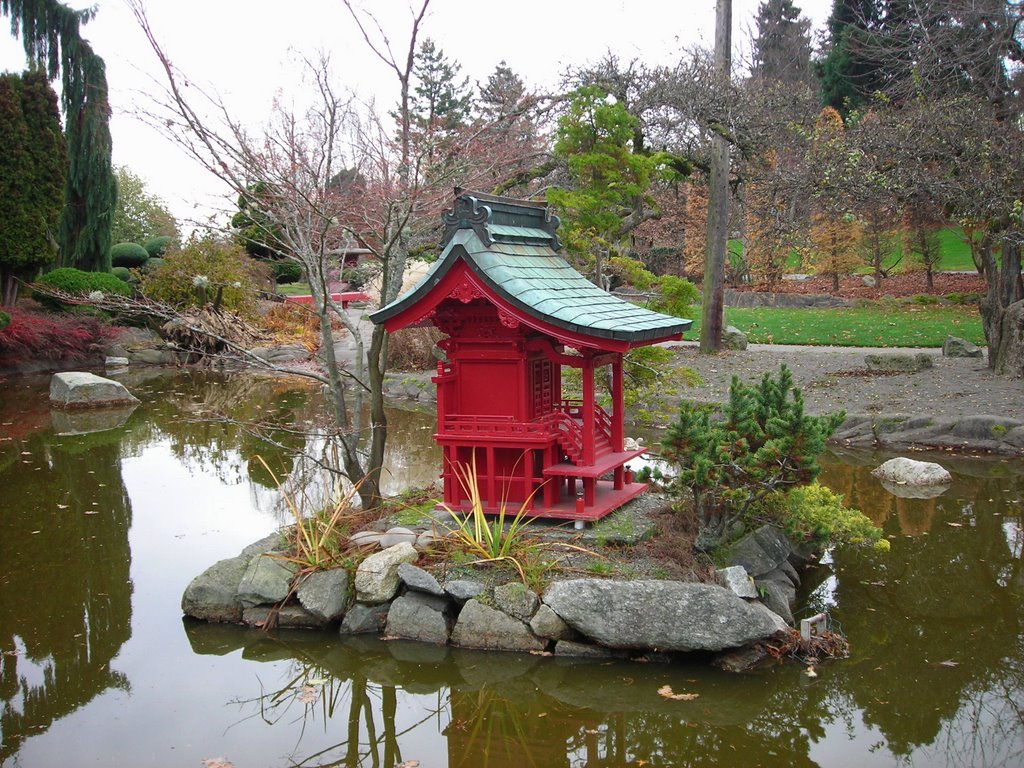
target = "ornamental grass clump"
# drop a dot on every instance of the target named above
(760, 443)
(488, 539)
(320, 541)
(502, 537)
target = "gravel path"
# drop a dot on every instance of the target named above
(834, 378)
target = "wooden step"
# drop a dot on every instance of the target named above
(603, 464)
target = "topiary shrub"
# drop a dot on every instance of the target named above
(153, 264)
(287, 272)
(122, 273)
(77, 283)
(158, 246)
(204, 267)
(128, 255)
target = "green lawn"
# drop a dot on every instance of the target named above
(956, 256)
(880, 325)
(293, 289)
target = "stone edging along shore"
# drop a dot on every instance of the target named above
(579, 617)
(970, 434)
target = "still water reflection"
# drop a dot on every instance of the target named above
(100, 532)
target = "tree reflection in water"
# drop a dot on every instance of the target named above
(59, 629)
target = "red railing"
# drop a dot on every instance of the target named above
(602, 421)
(569, 433)
(491, 425)
(564, 424)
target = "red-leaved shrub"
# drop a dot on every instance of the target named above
(34, 335)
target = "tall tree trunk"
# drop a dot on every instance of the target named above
(718, 203)
(8, 288)
(1002, 309)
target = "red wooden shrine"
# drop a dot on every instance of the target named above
(517, 316)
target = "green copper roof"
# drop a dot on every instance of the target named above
(520, 265)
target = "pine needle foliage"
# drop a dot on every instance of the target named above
(761, 443)
(51, 36)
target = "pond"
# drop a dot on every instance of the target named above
(101, 532)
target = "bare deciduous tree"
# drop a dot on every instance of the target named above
(330, 176)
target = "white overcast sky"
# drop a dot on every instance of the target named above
(245, 50)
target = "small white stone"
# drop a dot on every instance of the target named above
(397, 536)
(365, 538)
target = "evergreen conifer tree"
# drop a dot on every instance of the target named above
(782, 47)
(847, 75)
(440, 102)
(50, 33)
(32, 167)
(502, 94)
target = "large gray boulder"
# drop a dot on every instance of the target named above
(777, 597)
(153, 356)
(418, 616)
(364, 619)
(516, 600)
(397, 535)
(325, 594)
(282, 354)
(480, 626)
(904, 471)
(667, 615)
(954, 346)
(898, 362)
(734, 338)
(419, 580)
(76, 389)
(213, 594)
(267, 579)
(377, 576)
(761, 551)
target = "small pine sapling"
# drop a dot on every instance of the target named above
(760, 443)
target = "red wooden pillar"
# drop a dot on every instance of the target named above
(618, 407)
(618, 420)
(589, 427)
(492, 479)
(588, 409)
(527, 459)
